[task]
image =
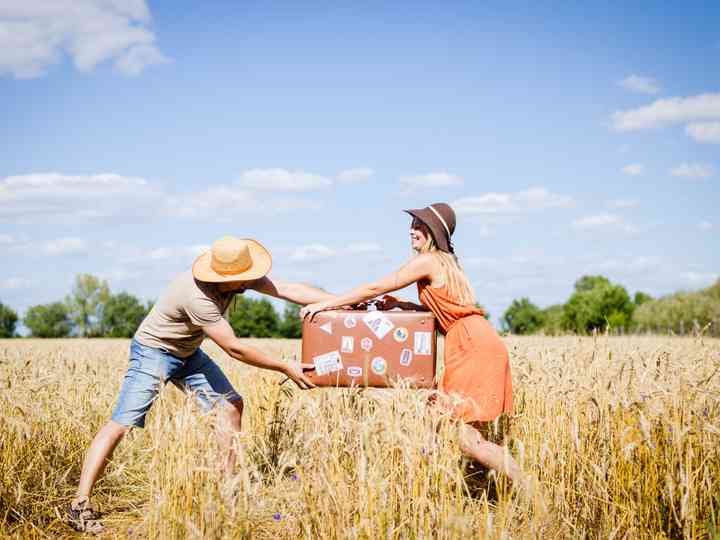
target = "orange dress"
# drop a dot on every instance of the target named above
(477, 382)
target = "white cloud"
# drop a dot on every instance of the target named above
(282, 180)
(363, 248)
(430, 180)
(507, 203)
(700, 279)
(604, 221)
(623, 203)
(708, 132)
(6, 239)
(643, 85)
(46, 197)
(693, 170)
(668, 111)
(625, 265)
(705, 226)
(35, 34)
(312, 253)
(177, 252)
(353, 176)
(65, 246)
(633, 169)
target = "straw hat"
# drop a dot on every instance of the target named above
(440, 219)
(232, 259)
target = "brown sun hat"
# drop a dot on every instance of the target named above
(232, 259)
(440, 219)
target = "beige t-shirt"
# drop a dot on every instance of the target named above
(176, 320)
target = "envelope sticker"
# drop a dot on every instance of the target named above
(423, 343)
(378, 323)
(348, 344)
(406, 357)
(378, 365)
(328, 363)
(366, 344)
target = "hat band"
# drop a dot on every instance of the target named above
(447, 229)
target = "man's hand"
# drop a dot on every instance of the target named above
(388, 302)
(311, 309)
(294, 370)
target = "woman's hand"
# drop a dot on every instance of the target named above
(294, 370)
(311, 309)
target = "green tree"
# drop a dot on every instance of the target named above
(253, 318)
(291, 324)
(8, 320)
(553, 320)
(523, 317)
(486, 313)
(641, 298)
(85, 304)
(596, 304)
(682, 312)
(48, 320)
(121, 315)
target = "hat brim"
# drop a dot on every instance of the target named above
(436, 228)
(261, 264)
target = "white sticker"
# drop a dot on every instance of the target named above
(366, 344)
(378, 365)
(354, 371)
(348, 344)
(406, 357)
(327, 363)
(423, 343)
(350, 321)
(378, 323)
(327, 327)
(401, 334)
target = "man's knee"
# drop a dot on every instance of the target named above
(114, 430)
(233, 411)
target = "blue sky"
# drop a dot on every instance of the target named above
(570, 140)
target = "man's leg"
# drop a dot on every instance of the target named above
(140, 388)
(203, 377)
(97, 456)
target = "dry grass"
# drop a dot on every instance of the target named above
(623, 435)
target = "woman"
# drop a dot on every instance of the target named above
(476, 387)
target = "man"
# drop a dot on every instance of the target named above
(166, 348)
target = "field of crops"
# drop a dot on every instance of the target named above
(620, 434)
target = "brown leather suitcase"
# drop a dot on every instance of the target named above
(371, 348)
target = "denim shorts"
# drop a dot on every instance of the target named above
(151, 368)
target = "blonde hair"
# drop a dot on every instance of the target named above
(456, 280)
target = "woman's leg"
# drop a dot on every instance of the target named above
(489, 454)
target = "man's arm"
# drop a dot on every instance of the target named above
(222, 333)
(299, 293)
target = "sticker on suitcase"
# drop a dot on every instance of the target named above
(423, 343)
(354, 371)
(378, 323)
(406, 357)
(378, 365)
(348, 344)
(350, 321)
(366, 344)
(328, 363)
(327, 328)
(401, 334)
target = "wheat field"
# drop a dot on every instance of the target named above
(621, 436)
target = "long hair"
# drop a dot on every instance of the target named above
(456, 280)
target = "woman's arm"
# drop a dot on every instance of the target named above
(414, 270)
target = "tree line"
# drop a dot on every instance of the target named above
(597, 304)
(92, 310)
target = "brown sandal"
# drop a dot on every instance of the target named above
(83, 517)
